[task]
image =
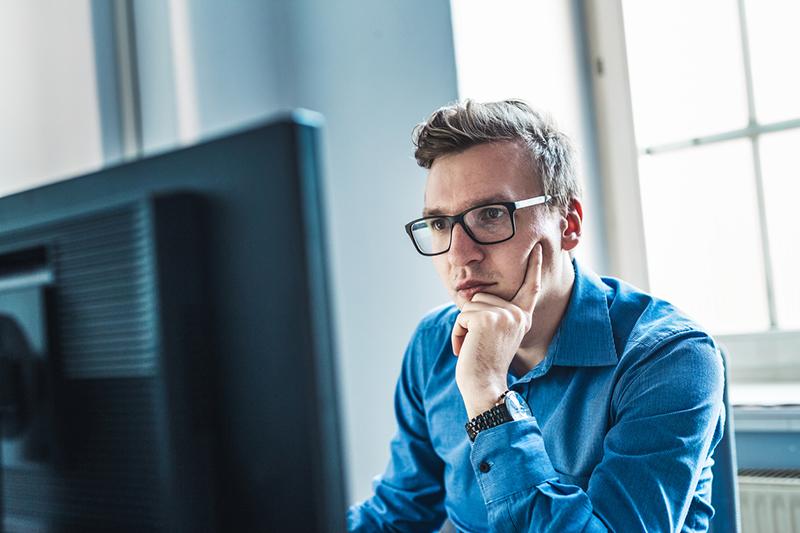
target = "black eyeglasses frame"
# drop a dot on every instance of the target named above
(512, 208)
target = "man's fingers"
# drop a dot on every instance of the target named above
(484, 302)
(458, 342)
(529, 291)
(486, 298)
(495, 306)
(457, 337)
(460, 330)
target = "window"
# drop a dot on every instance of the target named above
(704, 117)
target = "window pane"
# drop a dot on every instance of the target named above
(686, 69)
(701, 228)
(774, 42)
(781, 173)
(49, 118)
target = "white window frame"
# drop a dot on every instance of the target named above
(772, 356)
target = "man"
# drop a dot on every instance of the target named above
(547, 398)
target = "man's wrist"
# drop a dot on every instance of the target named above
(482, 399)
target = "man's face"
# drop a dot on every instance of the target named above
(480, 175)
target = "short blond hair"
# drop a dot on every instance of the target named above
(462, 125)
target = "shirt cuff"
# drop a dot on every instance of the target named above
(510, 458)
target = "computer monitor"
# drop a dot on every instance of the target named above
(166, 348)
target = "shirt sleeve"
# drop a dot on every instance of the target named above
(409, 496)
(667, 418)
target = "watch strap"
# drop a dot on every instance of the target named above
(488, 419)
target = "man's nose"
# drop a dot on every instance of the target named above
(463, 250)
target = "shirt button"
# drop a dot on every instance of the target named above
(484, 467)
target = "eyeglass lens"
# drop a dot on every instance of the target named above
(488, 224)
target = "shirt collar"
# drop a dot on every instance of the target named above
(585, 337)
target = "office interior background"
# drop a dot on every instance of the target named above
(685, 116)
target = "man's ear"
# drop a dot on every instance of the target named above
(571, 225)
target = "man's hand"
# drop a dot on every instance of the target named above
(487, 335)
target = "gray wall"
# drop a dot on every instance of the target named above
(373, 69)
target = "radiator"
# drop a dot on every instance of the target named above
(769, 501)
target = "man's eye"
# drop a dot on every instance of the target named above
(492, 213)
(438, 224)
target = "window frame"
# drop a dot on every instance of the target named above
(769, 356)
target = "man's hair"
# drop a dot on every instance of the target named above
(456, 127)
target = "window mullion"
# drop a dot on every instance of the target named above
(762, 212)
(751, 130)
(765, 245)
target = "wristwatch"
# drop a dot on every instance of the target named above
(511, 406)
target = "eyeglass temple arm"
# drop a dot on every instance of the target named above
(532, 201)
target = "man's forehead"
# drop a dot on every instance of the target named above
(496, 172)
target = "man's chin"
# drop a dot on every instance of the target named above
(458, 300)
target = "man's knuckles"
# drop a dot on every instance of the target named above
(495, 319)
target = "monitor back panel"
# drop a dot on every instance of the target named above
(190, 349)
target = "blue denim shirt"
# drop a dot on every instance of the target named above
(627, 411)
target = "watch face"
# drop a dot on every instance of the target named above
(517, 406)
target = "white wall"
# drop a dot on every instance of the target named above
(374, 69)
(49, 120)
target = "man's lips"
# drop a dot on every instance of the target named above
(468, 289)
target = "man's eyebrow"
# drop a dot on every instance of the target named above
(438, 211)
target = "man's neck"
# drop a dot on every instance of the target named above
(547, 316)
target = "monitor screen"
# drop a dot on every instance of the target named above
(166, 348)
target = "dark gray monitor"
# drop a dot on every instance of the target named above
(166, 348)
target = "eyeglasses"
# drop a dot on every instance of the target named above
(485, 224)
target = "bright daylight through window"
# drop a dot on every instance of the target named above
(717, 120)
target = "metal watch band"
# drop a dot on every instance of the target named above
(493, 417)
